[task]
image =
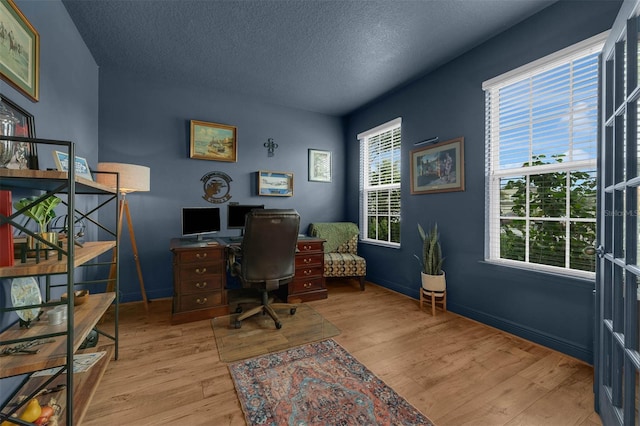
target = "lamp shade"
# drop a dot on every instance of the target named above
(132, 177)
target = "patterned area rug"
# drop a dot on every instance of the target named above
(317, 384)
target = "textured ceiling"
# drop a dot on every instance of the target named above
(319, 55)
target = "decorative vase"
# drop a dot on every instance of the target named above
(7, 126)
(436, 283)
(51, 237)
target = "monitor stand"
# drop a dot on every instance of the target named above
(235, 239)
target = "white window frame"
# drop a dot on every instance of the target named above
(493, 176)
(365, 188)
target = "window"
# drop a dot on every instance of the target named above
(541, 146)
(380, 184)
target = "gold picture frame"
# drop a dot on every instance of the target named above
(20, 53)
(213, 141)
(438, 168)
(275, 184)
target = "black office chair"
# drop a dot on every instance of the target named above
(267, 258)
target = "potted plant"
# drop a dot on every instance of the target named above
(433, 277)
(42, 212)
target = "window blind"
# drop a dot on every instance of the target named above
(380, 203)
(541, 149)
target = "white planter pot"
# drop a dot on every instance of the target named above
(434, 282)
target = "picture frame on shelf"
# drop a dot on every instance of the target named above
(25, 155)
(20, 66)
(319, 165)
(276, 184)
(82, 167)
(213, 141)
(438, 168)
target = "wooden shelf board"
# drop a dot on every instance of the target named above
(53, 354)
(84, 387)
(53, 265)
(48, 180)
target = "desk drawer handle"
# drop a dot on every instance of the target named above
(307, 260)
(201, 255)
(201, 301)
(198, 271)
(307, 272)
(307, 285)
(201, 285)
(305, 247)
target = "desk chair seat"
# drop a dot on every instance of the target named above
(266, 258)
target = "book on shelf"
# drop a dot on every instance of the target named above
(6, 232)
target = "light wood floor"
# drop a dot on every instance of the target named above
(454, 370)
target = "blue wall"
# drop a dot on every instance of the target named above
(553, 310)
(146, 122)
(68, 106)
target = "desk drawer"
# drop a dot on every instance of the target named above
(191, 302)
(310, 246)
(202, 285)
(301, 285)
(203, 255)
(309, 272)
(200, 271)
(304, 260)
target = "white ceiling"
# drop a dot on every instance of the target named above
(325, 56)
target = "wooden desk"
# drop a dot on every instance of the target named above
(199, 277)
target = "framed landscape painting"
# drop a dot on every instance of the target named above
(19, 50)
(438, 168)
(212, 141)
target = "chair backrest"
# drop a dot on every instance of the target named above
(269, 245)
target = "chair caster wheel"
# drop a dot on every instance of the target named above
(239, 310)
(278, 325)
(292, 311)
(237, 324)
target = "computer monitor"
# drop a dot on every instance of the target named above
(236, 214)
(198, 221)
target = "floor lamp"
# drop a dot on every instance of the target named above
(132, 178)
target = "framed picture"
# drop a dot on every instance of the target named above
(62, 164)
(319, 165)
(212, 141)
(19, 50)
(24, 155)
(438, 168)
(278, 184)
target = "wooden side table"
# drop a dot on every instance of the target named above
(308, 283)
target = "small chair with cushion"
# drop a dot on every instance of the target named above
(340, 250)
(266, 258)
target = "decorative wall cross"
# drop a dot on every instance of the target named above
(271, 147)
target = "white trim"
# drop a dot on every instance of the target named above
(593, 44)
(381, 128)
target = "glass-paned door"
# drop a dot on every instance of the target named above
(617, 356)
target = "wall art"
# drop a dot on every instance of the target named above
(438, 168)
(19, 50)
(82, 167)
(217, 187)
(212, 141)
(319, 165)
(279, 184)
